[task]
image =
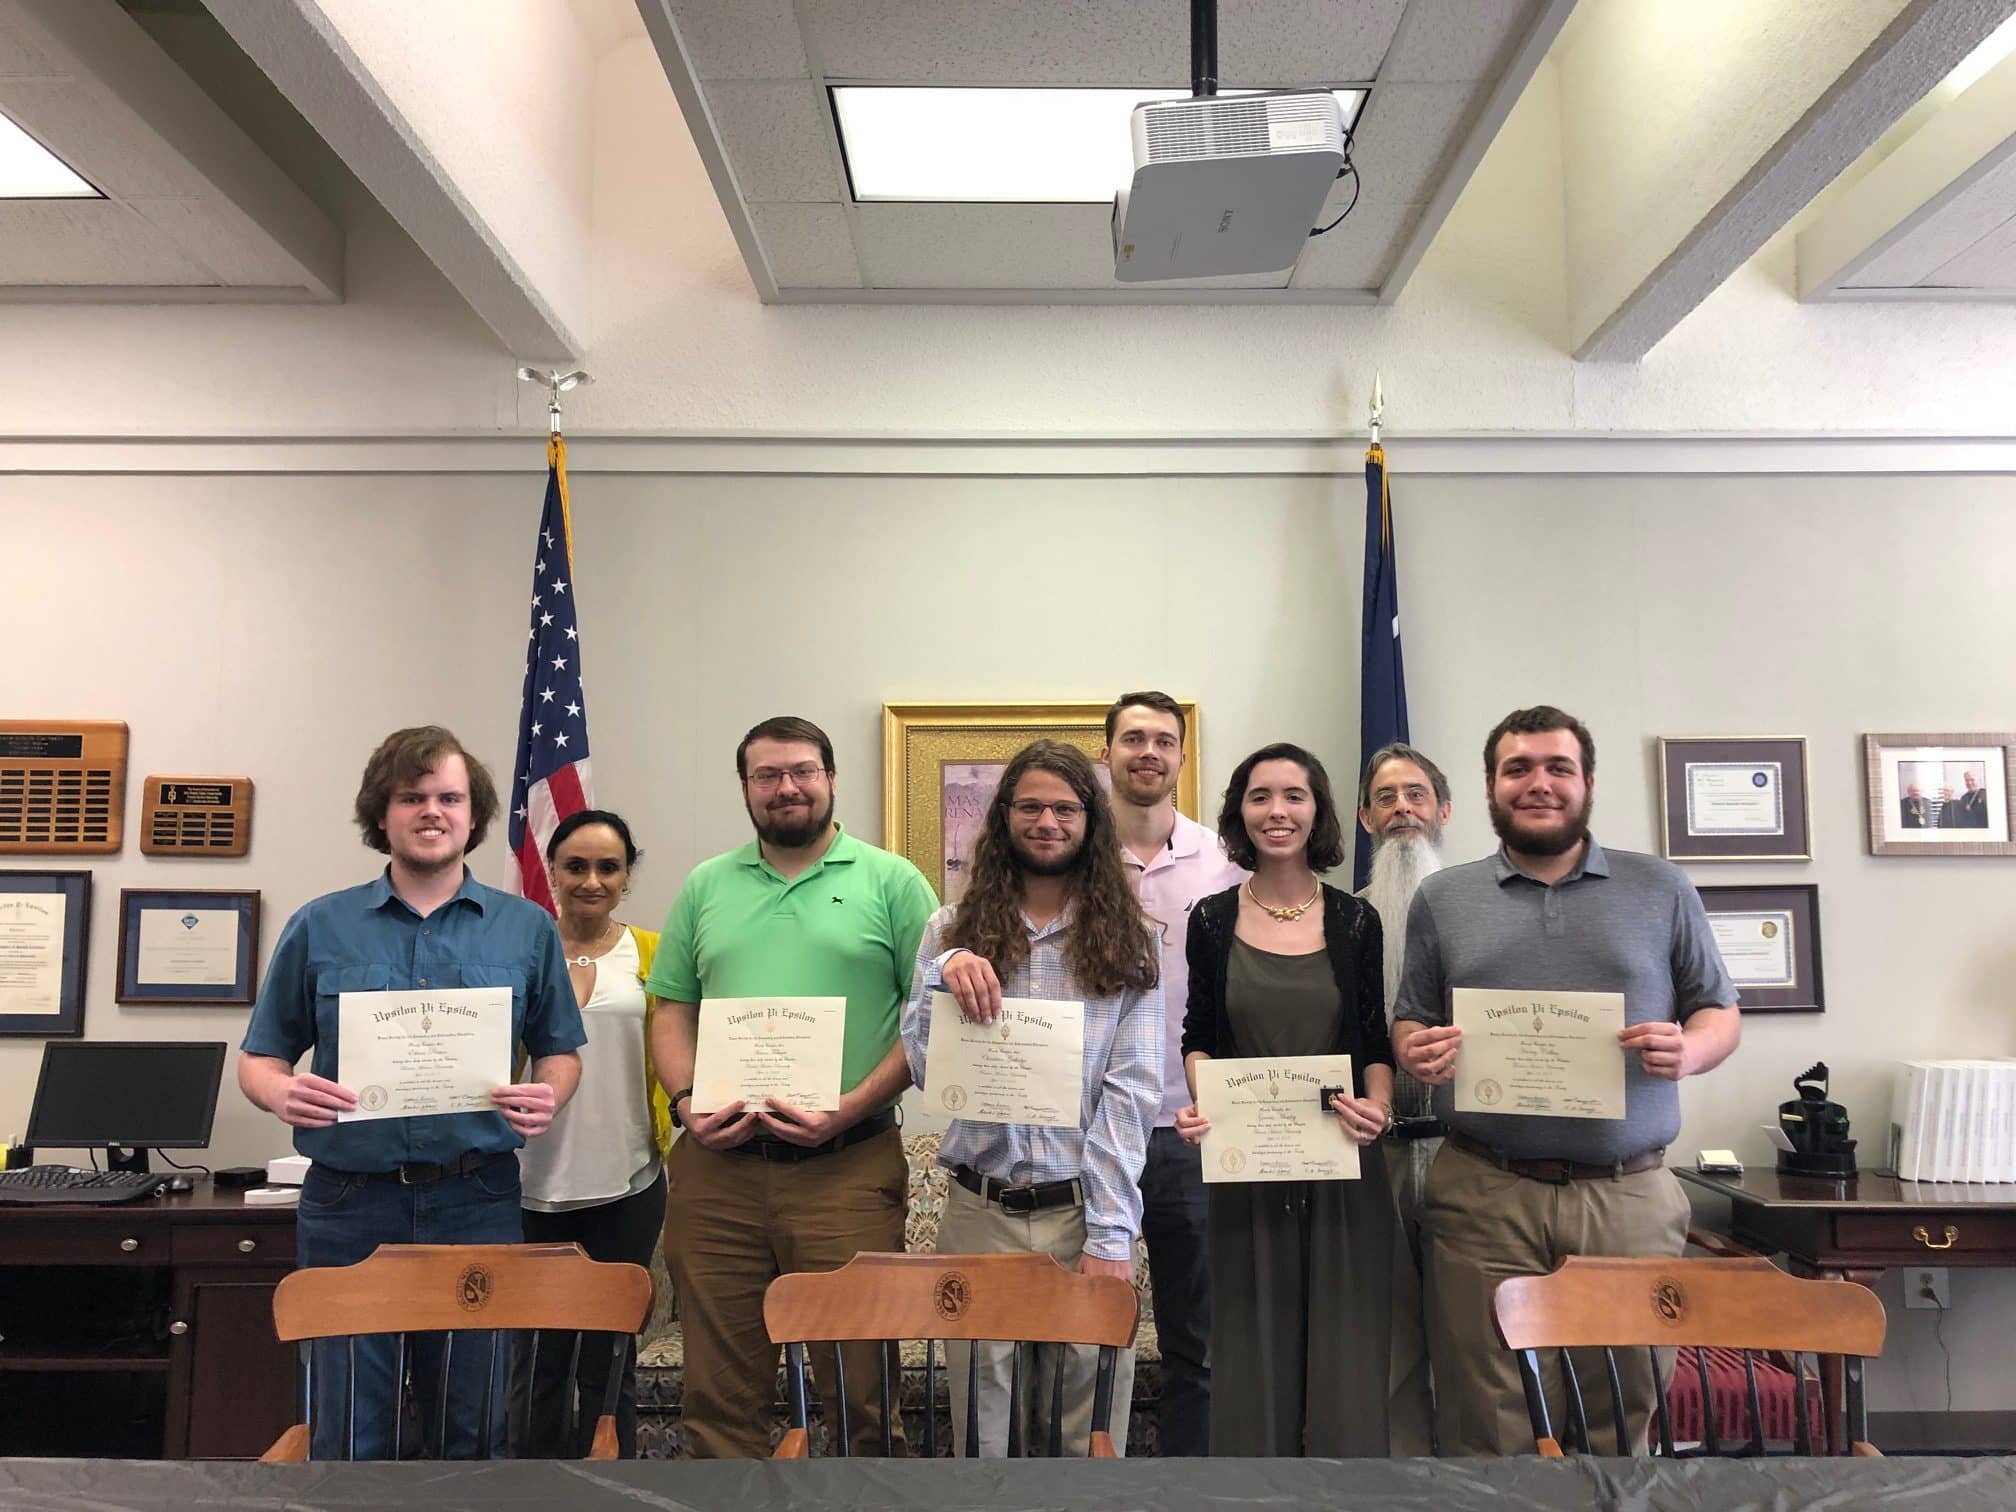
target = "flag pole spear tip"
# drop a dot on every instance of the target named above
(556, 383)
(1378, 407)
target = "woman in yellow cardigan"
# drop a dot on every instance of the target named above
(597, 1176)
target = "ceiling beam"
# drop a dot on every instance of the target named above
(1621, 307)
(512, 248)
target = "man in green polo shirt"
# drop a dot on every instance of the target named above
(805, 910)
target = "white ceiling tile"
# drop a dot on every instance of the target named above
(1937, 238)
(67, 243)
(777, 139)
(985, 246)
(1261, 43)
(807, 246)
(741, 39)
(1405, 136)
(1360, 252)
(1990, 264)
(1445, 41)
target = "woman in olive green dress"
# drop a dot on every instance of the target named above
(1301, 1272)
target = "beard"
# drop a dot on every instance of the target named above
(1554, 843)
(1041, 866)
(789, 834)
(1399, 864)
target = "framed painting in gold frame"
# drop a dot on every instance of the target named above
(942, 761)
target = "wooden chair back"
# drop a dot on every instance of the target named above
(500, 1289)
(1018, 1299)
(1746, 1304)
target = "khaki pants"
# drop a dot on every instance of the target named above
(733, 1223)
(1410, 1403)
(1484, 1225)
(972, 1226)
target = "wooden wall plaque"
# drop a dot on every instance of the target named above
(196, 816)
(62, 786)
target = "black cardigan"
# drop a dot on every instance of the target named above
(1357, 949)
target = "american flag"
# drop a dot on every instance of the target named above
(551, 778)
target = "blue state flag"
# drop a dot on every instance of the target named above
(1382, 680)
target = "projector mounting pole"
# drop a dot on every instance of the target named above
(1203, 47)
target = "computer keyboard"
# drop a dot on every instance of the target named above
(50, 1183)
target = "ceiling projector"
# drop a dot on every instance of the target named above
(1225, 184)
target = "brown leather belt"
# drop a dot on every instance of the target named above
(768, 1147)
(1560, 1172)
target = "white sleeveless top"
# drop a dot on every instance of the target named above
(599, 1146)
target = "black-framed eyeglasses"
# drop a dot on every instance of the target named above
(767, 779)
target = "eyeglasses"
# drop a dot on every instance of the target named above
(1387, 798)
(1066, 812)
(765, 779)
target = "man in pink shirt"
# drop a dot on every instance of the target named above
(1173, 862)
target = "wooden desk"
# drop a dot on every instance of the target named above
(144, 1325)
(1854, 1231)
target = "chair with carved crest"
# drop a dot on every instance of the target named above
(1743, 1305)
(473, 1296)
(1021, 1299)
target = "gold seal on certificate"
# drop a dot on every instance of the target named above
(419, 1053)
(1271, 1120)
(1027, 1067)
(1539, 1054)
(754, 1048)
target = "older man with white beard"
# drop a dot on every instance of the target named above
(1403, 802)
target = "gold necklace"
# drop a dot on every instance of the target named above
(584, 959)
(1292, 912)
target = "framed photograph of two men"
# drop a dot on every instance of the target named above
(942, 761)
(1734, 798)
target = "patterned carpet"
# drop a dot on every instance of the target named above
(661, 1359)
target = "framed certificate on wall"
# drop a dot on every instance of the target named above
(1733, 798)
(187, 947)
(1770, 941)
(45, 939)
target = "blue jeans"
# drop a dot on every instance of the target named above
(341, 1220)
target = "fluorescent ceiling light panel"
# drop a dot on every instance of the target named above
(1056, 146)
(28, 170)
(1999, 44)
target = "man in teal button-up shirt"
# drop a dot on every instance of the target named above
(442, 1179)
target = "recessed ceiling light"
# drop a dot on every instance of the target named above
(1998, 45)
(1057, 146)
(28, 170)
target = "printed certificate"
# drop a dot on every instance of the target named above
(1539, 1054)
(753, 1048)
(410, 1054)
(1756, 947)
(1027, 1067)
(1735, 798)
(188, 946)
(31, 952)
(1271, 1120)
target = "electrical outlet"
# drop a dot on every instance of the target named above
(1925, 1286)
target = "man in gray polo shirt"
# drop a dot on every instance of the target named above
(1514, 1195)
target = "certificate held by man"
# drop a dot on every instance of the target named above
(1271, 1119)
(753, 1048)
(1026, 1067)
(1539, 1054)
(413, 1054)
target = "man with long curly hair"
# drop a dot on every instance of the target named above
(1048, 913)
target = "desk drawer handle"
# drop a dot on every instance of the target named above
(246, 1246)
(1925, 1239)
(178, 1328)
(129, 1245)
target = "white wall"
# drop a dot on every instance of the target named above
(279, 625)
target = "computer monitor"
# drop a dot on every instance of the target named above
(126, 1096)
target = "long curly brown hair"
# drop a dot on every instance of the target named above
(1110, 945)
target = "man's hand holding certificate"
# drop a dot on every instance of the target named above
(1024, 1067)
(1539, 1054)
(1271, 1120)
(751, 1049)
(409, 1054)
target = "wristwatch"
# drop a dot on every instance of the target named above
(673, 1103)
